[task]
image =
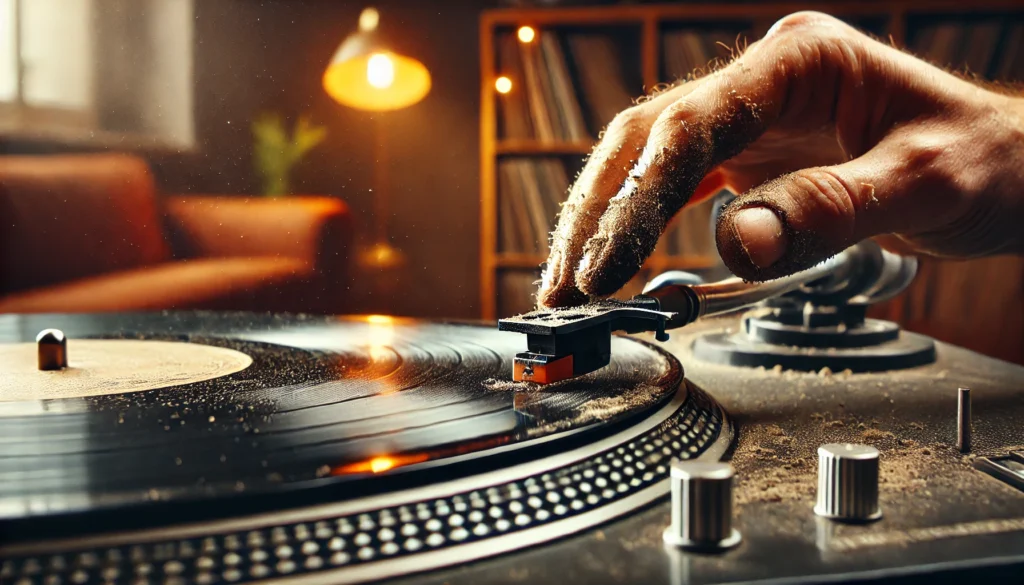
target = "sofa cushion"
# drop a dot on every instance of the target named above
(218, 283)
(66, 217)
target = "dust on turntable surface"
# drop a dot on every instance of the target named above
(378, 415)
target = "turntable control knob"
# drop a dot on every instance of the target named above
(52, 349)
(848, 482)
(701, 506)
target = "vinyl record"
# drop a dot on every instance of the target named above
(196, 415)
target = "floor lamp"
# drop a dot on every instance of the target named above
(368, 73)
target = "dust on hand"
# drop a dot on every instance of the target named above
(659, 184)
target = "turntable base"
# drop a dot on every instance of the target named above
(447, 472)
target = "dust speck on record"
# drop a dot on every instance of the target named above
(510, 385)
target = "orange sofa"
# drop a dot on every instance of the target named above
(83, 233)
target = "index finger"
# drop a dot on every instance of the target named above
(603, 176)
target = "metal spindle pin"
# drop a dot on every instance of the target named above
(963, 420)
(848, 482)
(51, 350)
(701, 506)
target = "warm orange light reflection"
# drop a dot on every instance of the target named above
(526, 34)
(380, 336)
(380, 464)
(503, 84)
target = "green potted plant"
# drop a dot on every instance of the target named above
(275, 152)
(299, 234)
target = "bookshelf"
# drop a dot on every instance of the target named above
(521, 145)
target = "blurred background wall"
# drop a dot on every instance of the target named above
(253, 56)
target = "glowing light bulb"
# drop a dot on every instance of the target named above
(380, 71)
(369, 18)
(526, 34)
(503, 84)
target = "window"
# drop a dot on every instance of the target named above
(8, 52)
(97, 70)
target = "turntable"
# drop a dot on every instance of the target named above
(230, 448)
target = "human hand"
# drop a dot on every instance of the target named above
(830, 136)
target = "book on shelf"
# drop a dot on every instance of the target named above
(517, 290)
(514, 225)
(988, 48)
(1010, 65)
(570, 113)
(553, 78)
(516, 122)
(533, 196)
(535, 82)
(944, 42)
(687, 50)
(601, 80)
(979, 46)
(510, 238)
(530, 194)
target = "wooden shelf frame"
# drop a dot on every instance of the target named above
(650, 18)
(515, 147)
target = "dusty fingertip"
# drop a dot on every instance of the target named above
(561, 296)
(606, 268)
(554, 291)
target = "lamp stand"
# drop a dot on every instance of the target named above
(381, 255)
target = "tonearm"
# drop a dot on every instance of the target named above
(822, 307)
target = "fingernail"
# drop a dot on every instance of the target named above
(760, 233)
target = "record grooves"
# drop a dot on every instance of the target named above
(376, 420)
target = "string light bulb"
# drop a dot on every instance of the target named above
(526, 34)
(503, 84)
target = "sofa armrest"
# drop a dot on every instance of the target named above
(66, 217)
(315, 230)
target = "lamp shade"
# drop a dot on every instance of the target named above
(367, 74)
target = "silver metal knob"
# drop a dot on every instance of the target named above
(848, 482)
(701, 506)
(52, 349)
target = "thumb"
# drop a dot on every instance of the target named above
(800, 219)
